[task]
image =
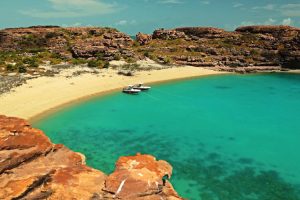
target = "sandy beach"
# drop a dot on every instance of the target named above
(44, 95)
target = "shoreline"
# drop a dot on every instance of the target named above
(80, 100)
(44, 96)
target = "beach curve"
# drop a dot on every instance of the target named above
(45, 95)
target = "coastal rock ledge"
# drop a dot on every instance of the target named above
(31, 167)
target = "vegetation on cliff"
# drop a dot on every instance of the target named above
(23, 49)
(205, 46)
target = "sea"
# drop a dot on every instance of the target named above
(228, 137)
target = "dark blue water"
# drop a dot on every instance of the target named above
(231, 137)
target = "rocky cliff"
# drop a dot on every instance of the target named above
(248, 49)
(251, 47)
(85, 42)
(31, 167)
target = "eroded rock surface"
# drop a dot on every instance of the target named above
(260, 47)
(254, 48)
(143, 38)
(31, 167)
(76, 42)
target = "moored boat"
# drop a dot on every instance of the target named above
(141, 86)
(131, 90)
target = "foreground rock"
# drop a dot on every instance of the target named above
(31, 167)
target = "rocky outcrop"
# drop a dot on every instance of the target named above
(143, 38)
(31, 167)
(261, 47)
(284, 41)
(168, 34)
(273, 30)
(140, 177)
(85, 42)
(203, 32)
(277, 46)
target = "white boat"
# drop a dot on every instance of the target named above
(141, 86)
(131, 90)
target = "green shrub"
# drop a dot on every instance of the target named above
(94, 63)
(167, 60)
(54, 61)
(146, 54)
(100, 56)
(31, 62)
(98, 64)
(10, 67)
(131, 66)
(130, 60)
(21, 67)
(153, 57)
(78, 61)
(106, 65)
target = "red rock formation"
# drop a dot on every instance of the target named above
(276, 46)
(208, 32)
(267, 29)
(31, 167)
(167, 34)
(143, 38)
(201, 46)
(85, 42)
(137, 177)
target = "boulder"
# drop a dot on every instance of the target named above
(143, 39)
(168, 34)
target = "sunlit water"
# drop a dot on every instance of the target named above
(231, 137)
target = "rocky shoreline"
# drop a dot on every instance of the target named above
(250, 49)
(31, 167)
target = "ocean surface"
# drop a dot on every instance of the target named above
(229, 137)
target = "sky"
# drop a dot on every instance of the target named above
(132, 16)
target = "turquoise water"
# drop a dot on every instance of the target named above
(231, 137)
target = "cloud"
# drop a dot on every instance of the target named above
(270, 21)
(125, 22)
(171, 2)
(289, 10)
(72, 8)
(287, 21)
(76, 24)
(265, 7)
(237, 5)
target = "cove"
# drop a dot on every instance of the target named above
(229, 137)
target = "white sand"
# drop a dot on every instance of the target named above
(47, 94)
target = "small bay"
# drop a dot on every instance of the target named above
(229, 137)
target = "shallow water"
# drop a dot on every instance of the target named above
(231, 137)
